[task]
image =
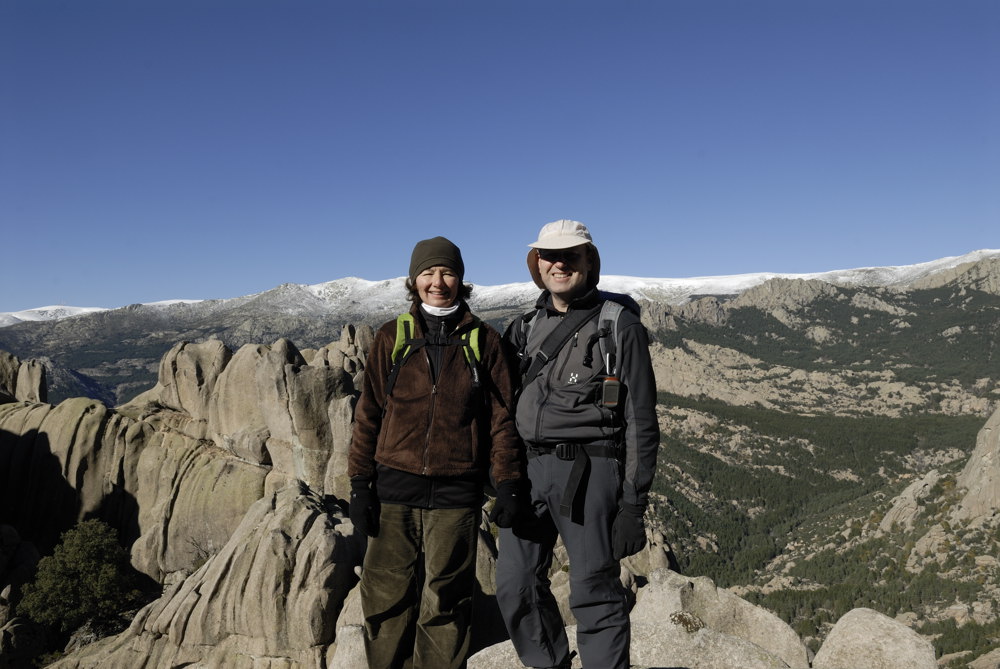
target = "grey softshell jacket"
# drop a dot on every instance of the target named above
(562, 403)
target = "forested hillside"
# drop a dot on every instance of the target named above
(794, 421)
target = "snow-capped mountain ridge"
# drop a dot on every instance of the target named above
(389, 294)
(50, 313)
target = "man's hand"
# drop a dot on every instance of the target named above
(510, 504)
(628, 534)
(364, 508)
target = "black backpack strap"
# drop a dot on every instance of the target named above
(571, 323)
(523, 326)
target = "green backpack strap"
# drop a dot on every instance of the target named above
(470, 346)
(404, 330)
(404, 346)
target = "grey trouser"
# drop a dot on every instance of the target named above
(597, 597)
(417, 585)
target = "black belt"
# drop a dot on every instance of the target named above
(568, 450)
(580, 454)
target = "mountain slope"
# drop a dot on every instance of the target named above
(112, 354)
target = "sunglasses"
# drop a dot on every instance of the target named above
(554, 256)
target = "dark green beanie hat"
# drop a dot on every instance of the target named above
(433, 252)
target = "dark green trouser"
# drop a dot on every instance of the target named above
(416, 588)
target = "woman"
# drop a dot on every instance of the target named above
(432, 424)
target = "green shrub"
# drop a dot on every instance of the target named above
(88, 577)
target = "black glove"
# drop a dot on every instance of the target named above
(510, 504)
(628, 534)
(364, 509)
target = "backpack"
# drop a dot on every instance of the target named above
(611, 310)
(406, 345)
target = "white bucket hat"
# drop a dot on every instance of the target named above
(563, 234)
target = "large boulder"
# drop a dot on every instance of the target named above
(867, 639)
(719, 610)
(680, 642)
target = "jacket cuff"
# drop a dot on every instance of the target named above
(634, 509)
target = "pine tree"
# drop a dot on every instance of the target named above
(88, 577)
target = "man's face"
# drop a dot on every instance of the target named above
(564, 271)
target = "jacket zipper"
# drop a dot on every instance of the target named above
(562, 368)
(430, 409)
(430, 412)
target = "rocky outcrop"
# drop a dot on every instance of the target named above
(269, 598)
(983, 275)
(21, 381)
(866, 639)
(784, 298)
(62, 463)
(267, 405)
(709, 310)
(990, 660)
(696, 369)
(906, 506)
(176, 469)
(981, 477)
(719, 610)
(190, 498)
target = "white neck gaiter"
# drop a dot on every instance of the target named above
(440, 312)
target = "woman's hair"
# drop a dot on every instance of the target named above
(464, 291)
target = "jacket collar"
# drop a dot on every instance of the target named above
(463, 315)
(588, 300)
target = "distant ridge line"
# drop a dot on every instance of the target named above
(382, 294)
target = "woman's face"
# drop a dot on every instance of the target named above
(437, 286)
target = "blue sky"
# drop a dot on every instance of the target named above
(185, 149)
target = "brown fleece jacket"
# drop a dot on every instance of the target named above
(443, 429)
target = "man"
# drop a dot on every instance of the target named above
(587, 415)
